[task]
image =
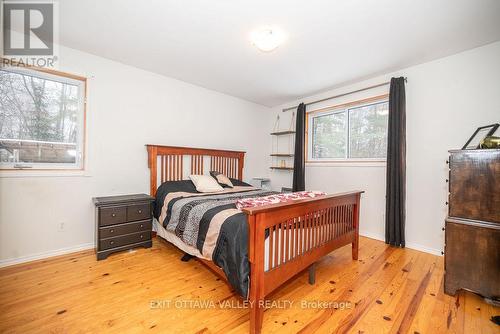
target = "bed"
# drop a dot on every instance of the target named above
(255, 249)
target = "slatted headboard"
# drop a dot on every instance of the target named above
(172, 163)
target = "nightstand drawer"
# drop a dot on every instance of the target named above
(118, 230)
(112, 215)
(138, 212)
(124, 240)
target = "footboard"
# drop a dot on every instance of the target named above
(298, 233)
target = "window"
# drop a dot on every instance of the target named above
(42, 123)
(357, 131)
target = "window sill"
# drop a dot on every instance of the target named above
(10, 173)
(347, 163)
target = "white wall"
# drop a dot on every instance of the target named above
(127, 109)
(447, 100)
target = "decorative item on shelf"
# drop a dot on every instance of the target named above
(490, 142)
(480, 134)
(282, 163)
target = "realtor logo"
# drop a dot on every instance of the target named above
(29, 33)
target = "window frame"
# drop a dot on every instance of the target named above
(339, 108)
(65, 78)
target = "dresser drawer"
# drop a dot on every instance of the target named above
(113, 231)
(124, 240)
(112, 215)
(138, 212)
(471, 257)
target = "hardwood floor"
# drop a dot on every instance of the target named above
(389, 291)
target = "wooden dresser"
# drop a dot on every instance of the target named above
(122, 223)
(472, 230)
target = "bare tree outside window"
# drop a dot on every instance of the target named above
(40, 119)
(329, 136)
(368, 131)
(358, 132)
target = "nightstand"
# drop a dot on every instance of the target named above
(122, 223)
(263, 183)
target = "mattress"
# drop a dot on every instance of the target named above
(176, 241)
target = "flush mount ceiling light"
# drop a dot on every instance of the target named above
(267, 39)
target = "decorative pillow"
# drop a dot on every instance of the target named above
(278, 198)
(205, 183)
(222, 179)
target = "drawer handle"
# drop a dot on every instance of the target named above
(111, 231)
(142, 236)
(111, 242)
(113, 215)
(139, 211)
(141, 226)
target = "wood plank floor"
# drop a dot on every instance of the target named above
(150, 290)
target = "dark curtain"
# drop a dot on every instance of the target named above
(299, 167)
(395, 207)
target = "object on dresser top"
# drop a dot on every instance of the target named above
(490, 142)
(122, 223)
(479, 135)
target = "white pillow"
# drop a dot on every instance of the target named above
(222, 179)
(205, 183)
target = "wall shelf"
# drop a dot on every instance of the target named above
(282, 133)
(281, 168)
(281, 155)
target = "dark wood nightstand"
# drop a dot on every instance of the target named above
(122, 223)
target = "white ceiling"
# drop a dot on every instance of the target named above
(329, 43)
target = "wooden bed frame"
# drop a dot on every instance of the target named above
(323, 224)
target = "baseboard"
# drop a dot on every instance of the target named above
(425, 249)
(62, 251)
(43, 255)
(410, 245)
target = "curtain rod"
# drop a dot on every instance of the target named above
(343, 94)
